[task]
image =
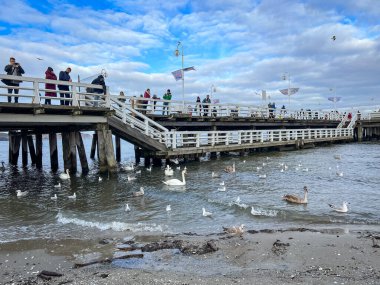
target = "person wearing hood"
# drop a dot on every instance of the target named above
(50, 75)
(65, 76)
(99, 81)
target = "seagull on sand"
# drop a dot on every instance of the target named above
(19, 193)
(235, 229)
(205, 213)
(340, 209)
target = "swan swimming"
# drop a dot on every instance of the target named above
(21, 194)
(58, 185)
(205, 213)
(64, 175)
(126, 208)
(230, 169)
(54, 197)
(341, 209)
(168, 171)
(295, 199)
(222, 189)
(130, 167)
(74, 196)
(139, 193)
(176, 182)
(221, 183)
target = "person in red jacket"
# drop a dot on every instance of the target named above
(146, 95)
(50, 75)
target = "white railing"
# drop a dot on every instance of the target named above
(138, 120)
(170, 107)
(187, 139)
(32, 90)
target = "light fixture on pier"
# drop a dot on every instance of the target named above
(212, 91)
(177, 53)
(288, 91)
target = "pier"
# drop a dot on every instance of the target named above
(186, 129)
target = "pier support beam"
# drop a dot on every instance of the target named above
(39, 150)
(93, 145)
(157, 161)
(24, 148)
(107, 159)
(14, 147)
(32, 149)
(53, 151)
(137, 155)
(73, 152)
(360, 133)
(118, 148)
(81, 152)
(66, 151)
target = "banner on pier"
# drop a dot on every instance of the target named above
(291, 91)
(334, 99)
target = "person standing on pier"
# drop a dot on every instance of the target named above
(146, 102)
(198, 105)
(65, 76)
(50, 75)
(155, 97)
(206, 105)
(167, 97)
(15, 69)
(99, 81)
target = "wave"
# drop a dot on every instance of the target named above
(263, 212)
(115, 226)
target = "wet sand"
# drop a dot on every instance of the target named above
(292, 256)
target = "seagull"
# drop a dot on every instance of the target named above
(215, 175)
(221, 183)
(65, 176)
(255, 212)
(237, 201)
(74, 196)
(205, 213)
(139, 193)
(235, 229)
(100, 179)
(130, 167)
(168, 208)
(126, 208)
(138, 171)
(131, 178)
(342, 209)
(168, 171)
(54, 197)
(149, 169)
(58, 185)
(258, 168)
(262, 176)
(295, 199)
(264, 163)
(282, 170)
(39, 58)
(222, 189)
(333, 38)
(339, 173)
(175, 161)
(178, 167)
(286, 167)
(305, 169)
(230, 169)
(337, 156)
(244, 161)
(21, 194)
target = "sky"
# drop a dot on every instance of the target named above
(239, 47)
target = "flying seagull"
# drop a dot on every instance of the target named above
(333, 38)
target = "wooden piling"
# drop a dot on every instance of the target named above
(147, 160)
(39, 150)
(73, 152)
(81, 152)
(53, 151)
(137, 155)
(32, 149)
(109, 150)
(24, 148)
(66, 151)
(93, 145)
(118, 149)
(157, 161)
(101, 151)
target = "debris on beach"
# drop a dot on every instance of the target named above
(279, 247)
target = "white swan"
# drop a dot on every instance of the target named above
(264, 163)
(74, 196)
(131, 178)
(58, 185)
(139, 193)
(175, 161)
(21, 194)
(221, 183)
(254, 212)
(100, 179)
(230, 169)
(54, 197)
(342, 209)
(130, 167)
(168, 208)
(64, 175)
(295, 199)
(237, 201)
(138, 171)
(168, 171)
(178, 168)
(176, 182)
(222, 189)
(149, 169)
(205, 213)
(126, 208)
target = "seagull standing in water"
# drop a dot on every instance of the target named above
(341, 209)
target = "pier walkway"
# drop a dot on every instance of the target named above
(186, 129)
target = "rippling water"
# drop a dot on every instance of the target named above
(99, 206)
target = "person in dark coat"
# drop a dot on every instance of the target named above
(65, 76)
(99, 81)
(50, 75)
(206, 104)
(15, 69)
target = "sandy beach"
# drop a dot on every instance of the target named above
(290, 256)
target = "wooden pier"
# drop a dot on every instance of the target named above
(182, 132)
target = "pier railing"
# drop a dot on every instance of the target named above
(32, 90)
(187, 139)
(152, 106)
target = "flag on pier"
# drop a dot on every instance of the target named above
(178, 75)
(291, 91)
(334, 99)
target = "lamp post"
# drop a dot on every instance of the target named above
(286, 76)
(178, 53)
(212, 90)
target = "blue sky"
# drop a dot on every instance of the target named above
(241, 47)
